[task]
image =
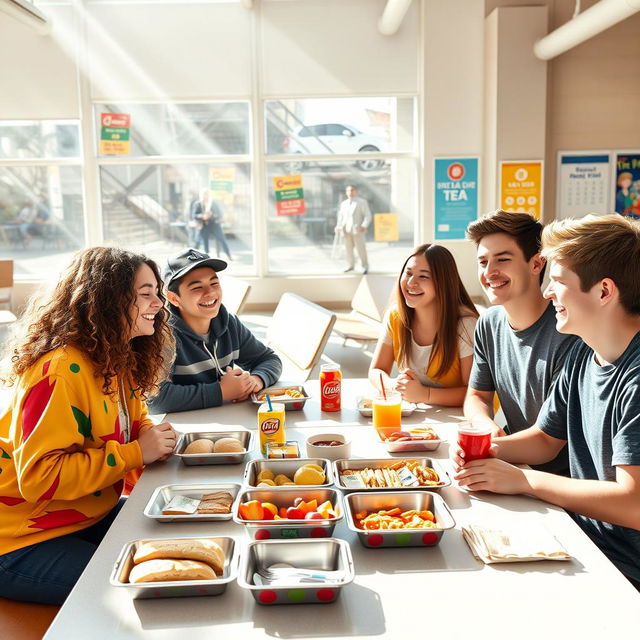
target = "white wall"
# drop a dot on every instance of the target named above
(333, 47)
(452, 75)
(37, 75)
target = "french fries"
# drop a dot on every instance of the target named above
(283, 393)
(395, 519)
(389, 477)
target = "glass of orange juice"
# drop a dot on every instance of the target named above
(386, 412)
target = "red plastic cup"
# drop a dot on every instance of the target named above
(475, 441)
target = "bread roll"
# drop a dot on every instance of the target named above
(227, 445)
(201, 445)
(165, 570)
(189, 549)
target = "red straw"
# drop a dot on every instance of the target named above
(384, 393)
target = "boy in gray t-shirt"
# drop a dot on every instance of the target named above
(518, 351)
(595, 404)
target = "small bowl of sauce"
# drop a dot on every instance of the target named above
(331, 446)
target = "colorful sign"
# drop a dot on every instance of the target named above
(456, 196)
(289, 195)
(385, 227)
(627, 200)
(114, 134)
(221, 183)
(583, 183)
(521, 187)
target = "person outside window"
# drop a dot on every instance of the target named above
(354, 216)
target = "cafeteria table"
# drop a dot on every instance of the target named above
(419, 592)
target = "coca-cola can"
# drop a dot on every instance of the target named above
(330, 387)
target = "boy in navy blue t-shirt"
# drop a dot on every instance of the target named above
(594, 405)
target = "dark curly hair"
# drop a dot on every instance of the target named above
(89, 309)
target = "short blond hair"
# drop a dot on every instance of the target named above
(597, 247)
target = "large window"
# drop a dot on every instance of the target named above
(155, 159)
(320, 146)
(147, 208)
(306, 242)
(41, 208)
(178, 150)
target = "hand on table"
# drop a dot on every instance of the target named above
(258, 385)
(491, 474)
(410, 388)
(236, 384)
(157, 443)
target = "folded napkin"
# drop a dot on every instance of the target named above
(513, 542)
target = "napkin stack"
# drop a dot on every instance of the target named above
(513, 542)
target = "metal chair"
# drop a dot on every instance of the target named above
(299, 331)
(235, 293)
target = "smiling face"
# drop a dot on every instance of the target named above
(146, 304)
(199, 298)
(504, 273)
(575, 308)
(416, 283)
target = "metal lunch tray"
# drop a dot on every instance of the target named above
(288, 467)
(277, 529)
(327, 554)
(379, 463)
(406, 408)
(163, 494)
(245, 437)
(419, 500)
(290, 404)
(406, 446)
(175, 588)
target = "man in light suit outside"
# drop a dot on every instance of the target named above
(354, 216)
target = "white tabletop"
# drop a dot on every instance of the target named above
(439, 592)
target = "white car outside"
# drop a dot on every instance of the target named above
(336, 138)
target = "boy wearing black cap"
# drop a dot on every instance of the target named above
(217, 358)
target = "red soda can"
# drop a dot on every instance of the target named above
(330, 387)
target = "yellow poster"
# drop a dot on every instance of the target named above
(221, 183)
(385, 226)
(521, 187)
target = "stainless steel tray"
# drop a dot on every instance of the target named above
(406, 408)
(162, 495)
(379, 463)
(406, 446)
(277, 529)
(290, 404)
(419, 500)
(245, 437)
(288, 467)
(328, 554)
(176, 588)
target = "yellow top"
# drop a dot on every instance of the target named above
(451, 378)
(63, 455)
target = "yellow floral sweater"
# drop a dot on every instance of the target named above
(63, 455)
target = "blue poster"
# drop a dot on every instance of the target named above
(456, 196)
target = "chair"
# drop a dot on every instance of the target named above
(368, 306)
(25, 620)
(235, 293)
(299, 331)
(6, 282)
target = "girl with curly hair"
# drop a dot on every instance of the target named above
(428, 333)
(80, 366)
